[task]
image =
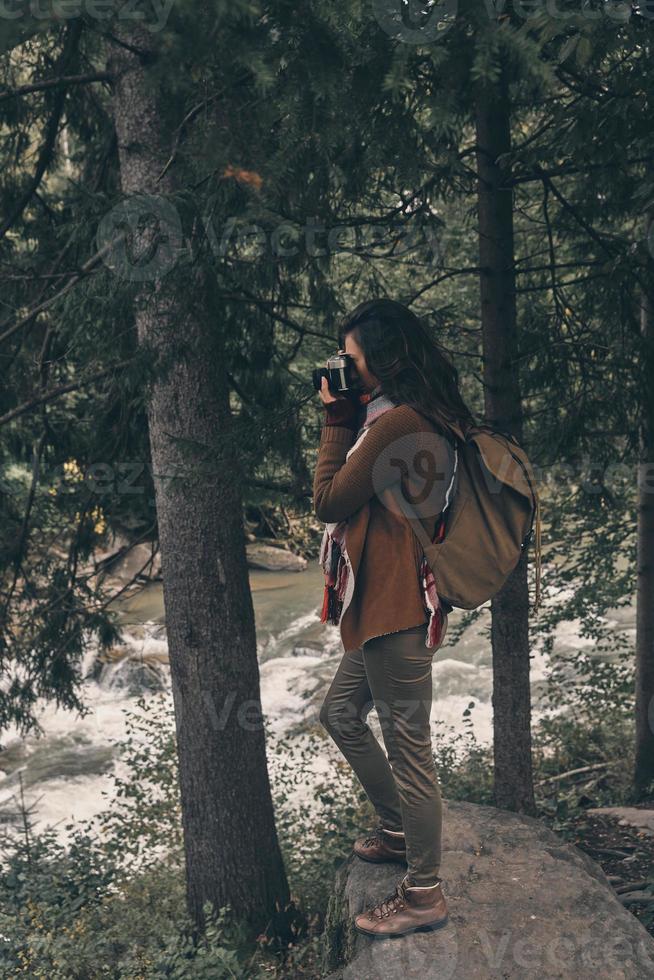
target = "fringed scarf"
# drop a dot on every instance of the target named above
(339, 577)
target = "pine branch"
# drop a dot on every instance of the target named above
(567, 170)
(84, 271)
(48, 396)
(190, 116)
(48, 83)
(22, 545)
(51, 130)
(55, 265)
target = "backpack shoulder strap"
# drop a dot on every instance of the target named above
(415, 520)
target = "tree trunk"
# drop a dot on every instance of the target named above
(513, 786)
(231, 846)
(644, 693)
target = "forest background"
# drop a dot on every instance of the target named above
(191, 198)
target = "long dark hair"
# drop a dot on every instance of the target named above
(412, 367)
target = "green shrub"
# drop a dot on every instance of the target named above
(103, 906)
(464, 767)
(99, 906)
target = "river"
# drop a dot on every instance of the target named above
(66, 772)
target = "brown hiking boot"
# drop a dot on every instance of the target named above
(407, 909)
(381, 845)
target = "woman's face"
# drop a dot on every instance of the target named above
(368, 380)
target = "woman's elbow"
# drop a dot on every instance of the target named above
(329, 511)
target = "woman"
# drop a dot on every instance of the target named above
(371, 474)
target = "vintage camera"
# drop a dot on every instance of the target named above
(341, 375)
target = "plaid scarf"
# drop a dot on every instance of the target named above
(339, 577)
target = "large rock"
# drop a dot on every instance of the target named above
(523, 905)
(121, 563)
(274, 559)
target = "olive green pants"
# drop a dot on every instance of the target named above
(393, 674)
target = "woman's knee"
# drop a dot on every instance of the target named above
(341, 719)
(325, 714)
(409, 745)
(406, 723)
(417, 785)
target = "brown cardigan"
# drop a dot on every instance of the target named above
(384, 551)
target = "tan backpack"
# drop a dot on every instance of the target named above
(489, 519)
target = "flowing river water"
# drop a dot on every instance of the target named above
(66, 773)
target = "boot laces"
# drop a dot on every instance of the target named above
(375, 838)
(393, 902)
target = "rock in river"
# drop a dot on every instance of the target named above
(274, 559)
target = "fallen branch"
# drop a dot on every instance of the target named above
(632, 886)
(574, 772)
(609, 851)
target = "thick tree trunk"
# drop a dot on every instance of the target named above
(513, 785)
(231, 846)
(644, 693)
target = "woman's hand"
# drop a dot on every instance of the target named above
(339, 409)
(326, 396)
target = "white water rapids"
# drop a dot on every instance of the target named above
(66, 772)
